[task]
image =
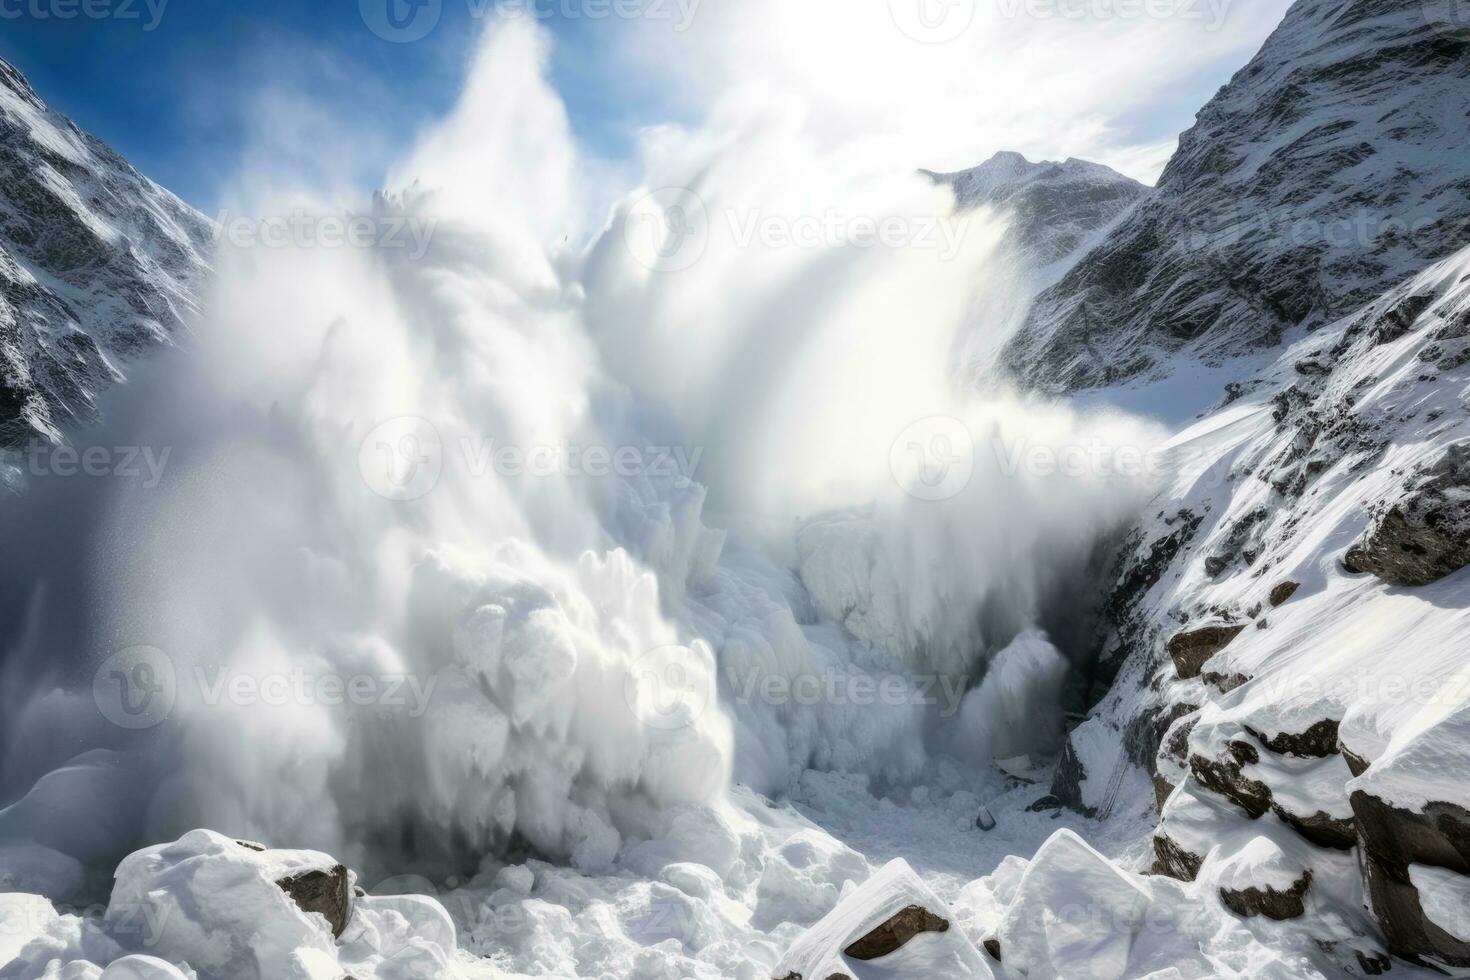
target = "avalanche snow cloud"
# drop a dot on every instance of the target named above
(429, 573)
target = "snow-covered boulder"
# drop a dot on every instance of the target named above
(218, 906)
(1075, 913)
(1263, 877)
(891, 926)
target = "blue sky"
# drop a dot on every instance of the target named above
(174, 99)
(174, 84)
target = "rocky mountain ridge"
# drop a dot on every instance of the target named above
(1329, 169)
(98, 265)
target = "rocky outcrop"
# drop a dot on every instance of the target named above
(1317, 742)
(895, 932)
(1407, 930)
(1174, 861)
(1269, 902)
(1191, 649)
(1424, 534)
(1392, 839)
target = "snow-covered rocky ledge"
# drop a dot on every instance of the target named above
(206, 907)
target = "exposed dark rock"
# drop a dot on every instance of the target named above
(992, 946)
(1373, 964)
(1066, 782)
(1189, 650)
(1163, 789)
(324, 892)
(1400, 319)
(1357, 765)
(1269, 902)
(1317, 742)
(893, 934)
(1424, 534)
(1406, 929)
(1320, 828)
(1045, 805)
(1227, 780)
(1224, 683)
(1283, 592)
(1439, 835)
(1174, 861)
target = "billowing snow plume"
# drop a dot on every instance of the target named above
(427, 574)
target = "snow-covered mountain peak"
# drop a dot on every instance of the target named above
(1328, 169)
(98, 264)
(1057, 209)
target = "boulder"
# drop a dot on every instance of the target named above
(1269, 902)
(1424, 535)
(895, 932)
(1189, 650)
(1281, 593)
(880, 919)
(327, 892)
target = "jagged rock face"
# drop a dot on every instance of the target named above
(1329, 169)
(1424, 534)
(98, 265)
(1055, 208)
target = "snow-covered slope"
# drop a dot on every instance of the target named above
(1290, 622)
(1329, 169)
(98, 264)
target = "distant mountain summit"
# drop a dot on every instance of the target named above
(98, 264)
(1056, 208)
(1330, 168)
